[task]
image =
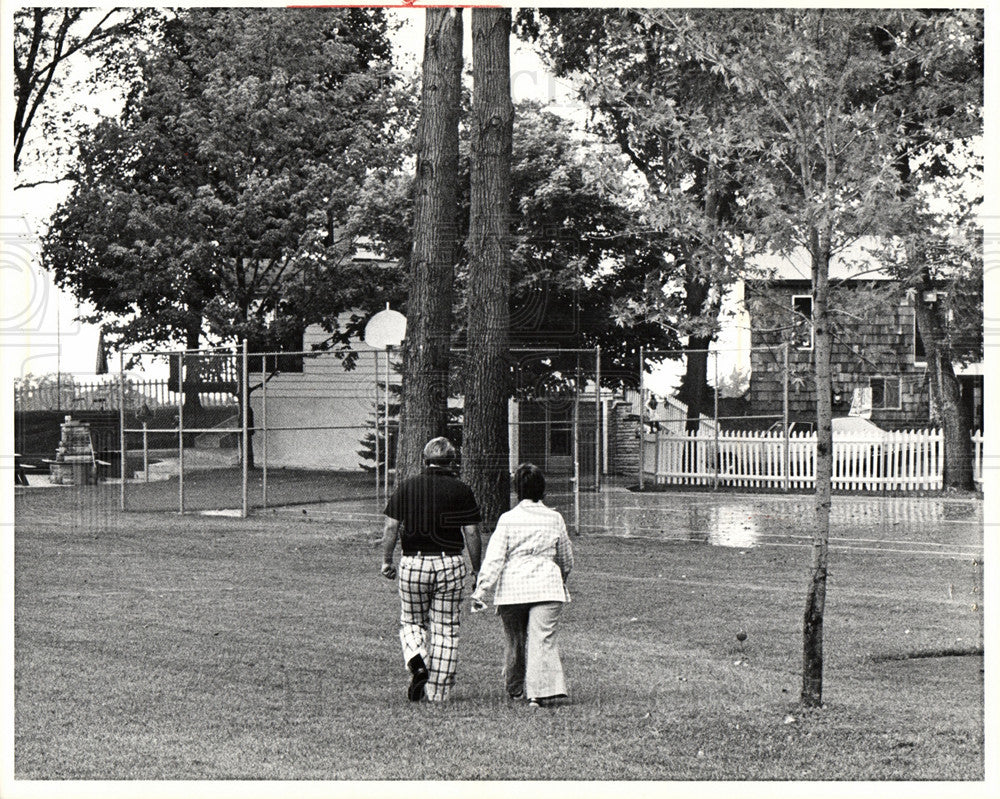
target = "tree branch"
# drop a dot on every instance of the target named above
(72, 176)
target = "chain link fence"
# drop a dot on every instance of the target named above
(236, 432)
(230, 431)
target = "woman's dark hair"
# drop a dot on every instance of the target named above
(529, 482)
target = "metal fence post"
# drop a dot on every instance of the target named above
(576, 448)
(715, 485)
(642, 413)
(121, 425)
(245, 389)
(597, 418)
(656, 458)
(784, 422)
(263, 414)
(180, 431)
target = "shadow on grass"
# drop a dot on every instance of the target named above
(215, 489)
(948, 652)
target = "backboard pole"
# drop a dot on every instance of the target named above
(121, 426)
(642, 413)
(388, 361)
(245, 391)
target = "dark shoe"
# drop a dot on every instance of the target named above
(420, 675)
(516, 697)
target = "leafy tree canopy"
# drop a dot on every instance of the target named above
(576, 250)
(724, 111)
(211, 209)
(658, 104)
(859, 126)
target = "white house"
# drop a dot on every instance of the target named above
(317, 418)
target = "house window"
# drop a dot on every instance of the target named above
(561, 439)
(802, 308)
(560, 430)
(885, 393)
(919, 353)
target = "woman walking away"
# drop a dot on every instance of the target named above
(528, 560)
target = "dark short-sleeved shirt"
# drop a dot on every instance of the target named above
(432, 507)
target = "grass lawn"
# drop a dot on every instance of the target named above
(154, 646)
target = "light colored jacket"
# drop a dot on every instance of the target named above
(528, 558)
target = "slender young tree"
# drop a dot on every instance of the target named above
(435, 242)
(485, 445)
(821, 136)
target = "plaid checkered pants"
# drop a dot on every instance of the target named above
(430, 595)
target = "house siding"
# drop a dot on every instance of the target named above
(323, 413)
(884, 347)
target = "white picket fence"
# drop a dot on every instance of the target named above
(904, 460)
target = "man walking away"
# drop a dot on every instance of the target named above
(435, 516)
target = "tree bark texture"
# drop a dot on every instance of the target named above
(812, 623)
(192, 342)
(694, 390)
(485, 446)
(424, 411)
(954, 416)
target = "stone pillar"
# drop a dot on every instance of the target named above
(74, 461)
(624, 440)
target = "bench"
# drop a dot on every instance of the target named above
(20, 475)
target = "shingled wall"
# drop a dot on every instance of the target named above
(883, 347)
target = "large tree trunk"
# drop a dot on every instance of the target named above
(694, 391)
(485, 464)
(192, 341)
(954, 416)
(812, 624)
(424, 411)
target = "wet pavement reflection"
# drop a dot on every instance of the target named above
(912, 524)
(940, 526)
